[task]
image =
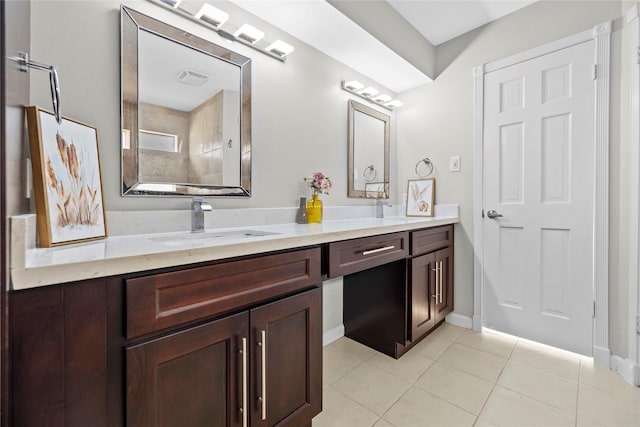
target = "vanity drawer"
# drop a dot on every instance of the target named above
(164, 300)
(351, 256)
(431, 239)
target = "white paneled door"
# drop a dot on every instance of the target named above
(539, 198)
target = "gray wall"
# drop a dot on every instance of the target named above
(437, 122)
(299, 110)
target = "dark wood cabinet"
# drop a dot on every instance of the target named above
(423, 298)
(286, 382)
(76, 360)
(194, 377)
(261, 367)
(431, 296)
(392, 305)
(59, 350)
(444, 296)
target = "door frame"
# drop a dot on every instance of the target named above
(630, 368)
(601, 34)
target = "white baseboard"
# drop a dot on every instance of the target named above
(627, 369)
(460, 320)
(601, 357)
(477, 323)
(330, 336)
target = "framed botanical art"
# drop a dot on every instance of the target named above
(421, 197)
(66, 179)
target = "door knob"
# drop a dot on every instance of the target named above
(493, 214)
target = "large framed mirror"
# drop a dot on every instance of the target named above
(368, 155)
(186, 113)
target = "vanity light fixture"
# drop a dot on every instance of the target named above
(382, 99)
(352, 85)
(213, 18)
(249, 34)
(212, 15)
(280, 48)
(370, 94)
(394, 104)
(173, 3)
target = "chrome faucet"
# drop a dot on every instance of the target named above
(380, 204)
(198, 207)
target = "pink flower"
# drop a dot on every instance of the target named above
(319, 183)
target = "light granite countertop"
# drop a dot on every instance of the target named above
(34, 267)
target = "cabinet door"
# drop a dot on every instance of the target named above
(191, 378)
(422, 314)
(444, 301)
(286, 384)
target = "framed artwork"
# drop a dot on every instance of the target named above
(421, 197)
(66, 179)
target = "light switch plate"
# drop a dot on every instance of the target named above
(454, 164)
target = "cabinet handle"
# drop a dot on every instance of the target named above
(375, 251)
(441, 287)
(243, 409)
(437, 270)
(263, 374)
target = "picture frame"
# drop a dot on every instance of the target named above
(67, 180)
(421, 197)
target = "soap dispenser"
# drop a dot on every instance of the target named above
(301, 217)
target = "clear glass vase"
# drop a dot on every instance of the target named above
(314, 210)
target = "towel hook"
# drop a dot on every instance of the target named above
(25, 63)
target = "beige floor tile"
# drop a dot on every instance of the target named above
(448, 332)
(371, 387)
(464, 390)
(340, 411)
(336, 363)
(418, 408)
(540, 385)
(381, 423)
(481, 422)
(432, 347)
(609, 381)
(601, 408)
(489, 343)
(508, 408)
(554, 361)
(474, 362)
(408, 368)
(354, 348)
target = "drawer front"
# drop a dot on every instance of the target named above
(164, 300)
(431, 239)
(351, 256)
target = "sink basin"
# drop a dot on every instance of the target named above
(210, 236)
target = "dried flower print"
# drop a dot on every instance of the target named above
(76, 205)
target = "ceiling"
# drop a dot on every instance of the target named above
(323, 26)
(441, 21)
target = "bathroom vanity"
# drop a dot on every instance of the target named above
(232, 340)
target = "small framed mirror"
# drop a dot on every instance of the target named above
(186, 113)
(368, 156)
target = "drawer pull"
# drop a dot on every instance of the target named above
(375, 251)
(243, 409)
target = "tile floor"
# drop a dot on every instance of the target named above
(457, 377)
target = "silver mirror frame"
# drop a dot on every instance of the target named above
(131, 23)
(351, 190)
